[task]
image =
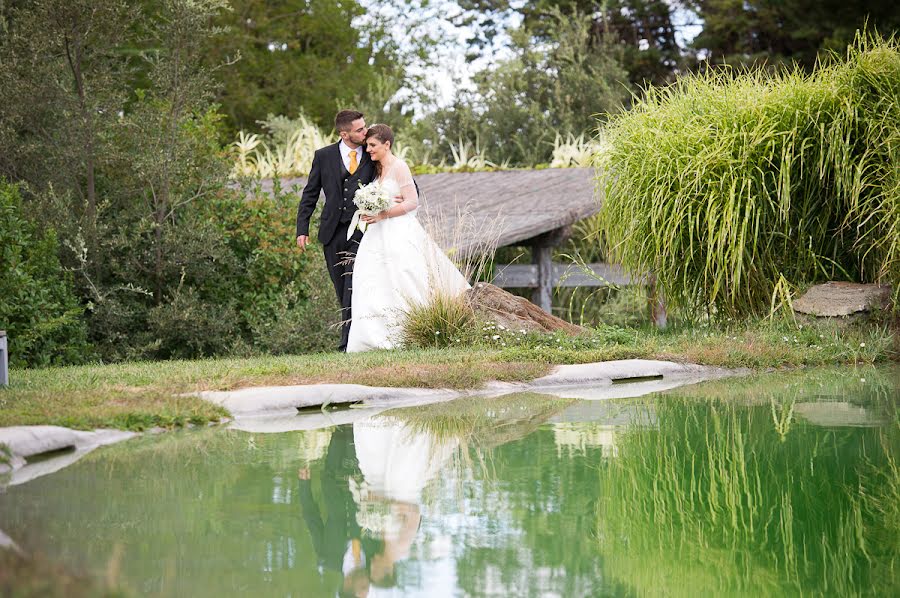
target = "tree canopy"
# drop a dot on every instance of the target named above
(786, 31)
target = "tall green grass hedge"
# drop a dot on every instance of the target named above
(735, 187)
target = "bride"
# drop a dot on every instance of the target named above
(398, 265)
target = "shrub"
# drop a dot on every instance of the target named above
(38, 307)
(730, 187)
(186, 326)
(286, 150)
(442, 321)
(284, 295)
(300, 318)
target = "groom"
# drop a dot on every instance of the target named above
(338, 170)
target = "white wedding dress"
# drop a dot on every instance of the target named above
(397, 462)
(397, 266)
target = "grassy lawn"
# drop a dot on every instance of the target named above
(139, 395)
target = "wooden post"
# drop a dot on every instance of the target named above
(657, 303)
(4, 360)
(543, 294)
(541, 257)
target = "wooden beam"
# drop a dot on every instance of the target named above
(562, 275)
(551, 238)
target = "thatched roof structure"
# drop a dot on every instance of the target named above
(466, 210)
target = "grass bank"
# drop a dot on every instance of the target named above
(139, 395)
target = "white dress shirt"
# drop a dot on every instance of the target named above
(345, 154)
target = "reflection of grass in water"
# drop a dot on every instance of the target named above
(800, 394)
(482, 421)
(715, 502)
(479, 424)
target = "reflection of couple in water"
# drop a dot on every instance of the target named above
(371, 493)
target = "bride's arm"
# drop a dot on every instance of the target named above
(410, 201)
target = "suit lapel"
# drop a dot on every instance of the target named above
(337, 160)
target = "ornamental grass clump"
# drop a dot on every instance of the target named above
(732, 186)
(441, 321)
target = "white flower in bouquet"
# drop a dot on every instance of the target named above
(370, 200)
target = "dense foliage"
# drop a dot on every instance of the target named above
(113, 114)
(733, 188)
(111, 123)
(786, 31)
(38, 306)
(314, 55)
(520, 107)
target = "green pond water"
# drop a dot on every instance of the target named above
(779, 484)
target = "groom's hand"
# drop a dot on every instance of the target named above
(302, 240)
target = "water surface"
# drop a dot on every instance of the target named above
(783, 484)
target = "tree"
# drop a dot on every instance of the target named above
(786, 31)
(297, 56)
(642, 29)
(60, 96)
(554, 86)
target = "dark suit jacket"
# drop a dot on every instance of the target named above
(329, 175)
(334, 526)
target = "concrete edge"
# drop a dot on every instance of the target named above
(22, 442)
(272, 400)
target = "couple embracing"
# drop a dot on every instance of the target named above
(395, 265)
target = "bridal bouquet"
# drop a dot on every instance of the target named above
(370, 200)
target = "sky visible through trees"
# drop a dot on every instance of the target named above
(456, 61)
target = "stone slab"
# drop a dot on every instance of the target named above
(269, 399)
(608, 372)
(28, 441)
(841, 299)
(592, 381)
(838, 414)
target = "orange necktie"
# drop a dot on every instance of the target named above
(355, 550)
(352, 168)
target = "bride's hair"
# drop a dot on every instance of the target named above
(384, 134)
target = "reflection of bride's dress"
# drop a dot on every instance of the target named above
(397, 265)
(397, 463)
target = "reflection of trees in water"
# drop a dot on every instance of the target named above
(718, 500)
(535, 517)
(194, 513)
(704, 494)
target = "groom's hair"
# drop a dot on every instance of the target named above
(344, 119)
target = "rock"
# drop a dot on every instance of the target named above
(516, 313)
(831, 414)
(841, 299)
